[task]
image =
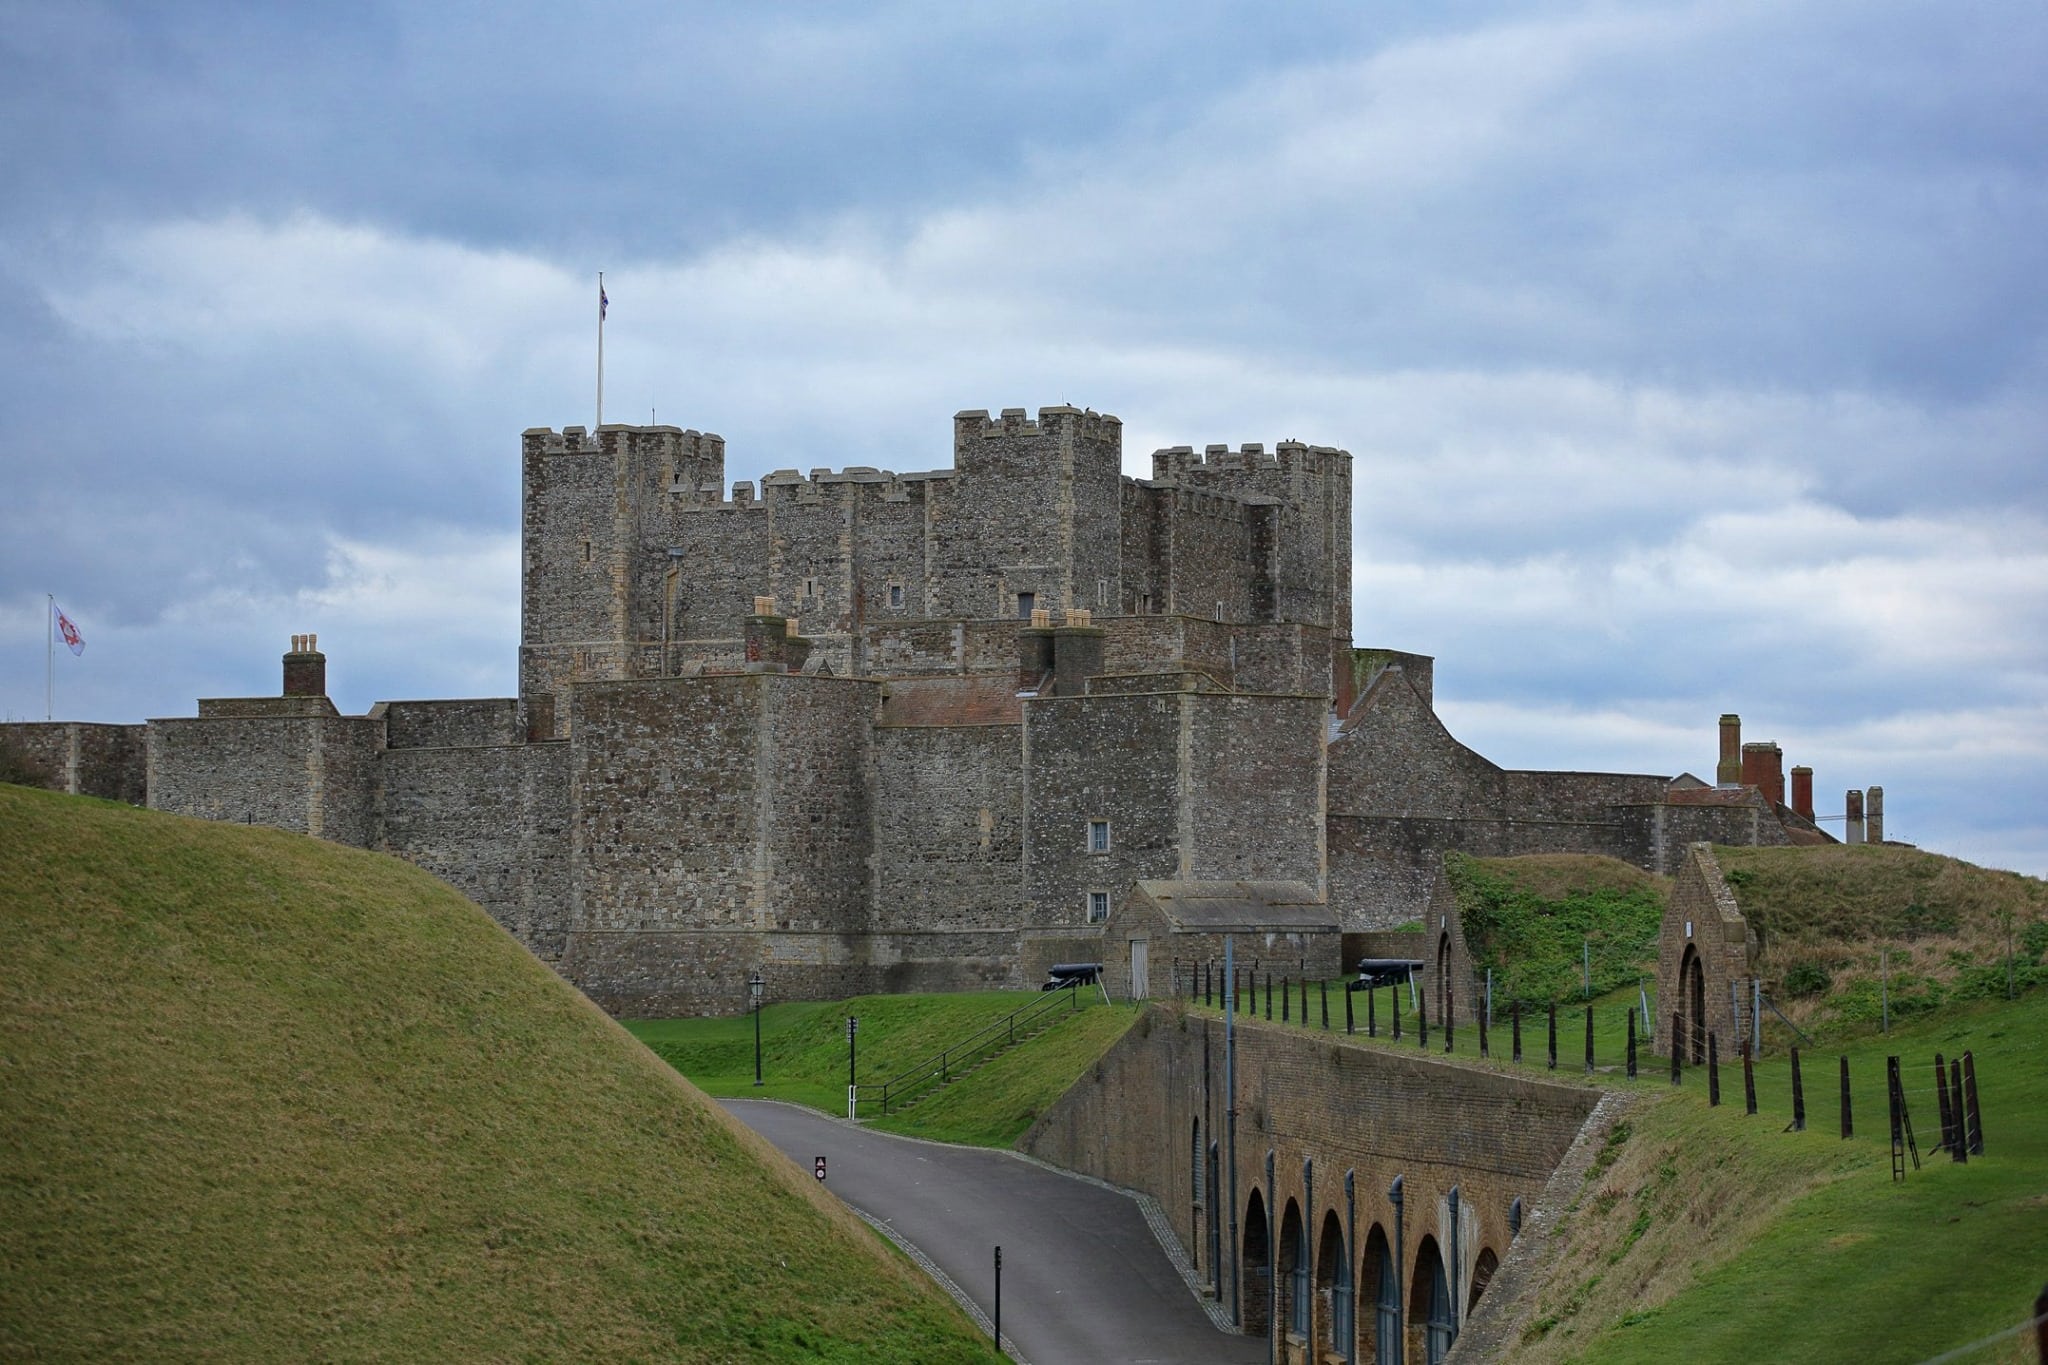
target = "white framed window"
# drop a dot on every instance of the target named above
(1098, 836)
(1102, 593)
(1098, 906)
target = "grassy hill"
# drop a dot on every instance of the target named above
(1708, 1234)
(1831, 920)
(1532, 918)
(262, 1097)
(803, 1049)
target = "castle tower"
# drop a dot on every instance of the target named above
(1302, 496)
(1040, 510)
(591, 507)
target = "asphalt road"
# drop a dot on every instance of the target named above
(1084, 1281)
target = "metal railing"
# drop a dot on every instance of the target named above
(938, 1069)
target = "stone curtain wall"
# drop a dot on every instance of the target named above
(84, 759)
(311, 774)
(449, 724)
(711, 810)
(1254, 788)
(949, 827)
(1114, 758)
(1435, 1123)
(491, 821)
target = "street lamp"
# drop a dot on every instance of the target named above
(754, 988)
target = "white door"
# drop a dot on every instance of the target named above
(1141, 984)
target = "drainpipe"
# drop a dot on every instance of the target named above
(1350, 1244)
(1400, 1280)
(1302, 1256)
(1457, 1300)
(1272, 1269)
(1230, 1124)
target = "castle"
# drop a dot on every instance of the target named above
(866, 731)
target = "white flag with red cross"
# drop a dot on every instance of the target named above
(73, 641)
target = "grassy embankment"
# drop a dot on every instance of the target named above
(1712, 1235)
(1708, 1234)
(803, 1048)
(262, 1097)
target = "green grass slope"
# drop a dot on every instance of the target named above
(1707, 1234)
(262, 1097)
(804, 1058)
(1834, 920)
(1532, 918)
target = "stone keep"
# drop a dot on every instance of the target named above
(862, 730)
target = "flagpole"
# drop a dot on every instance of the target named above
(49, 656)
(600, 348)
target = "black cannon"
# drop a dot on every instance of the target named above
(1061, 975)
(1384, 971)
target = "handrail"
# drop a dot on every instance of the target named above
(896, 1087)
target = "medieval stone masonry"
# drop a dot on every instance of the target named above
(863, 730)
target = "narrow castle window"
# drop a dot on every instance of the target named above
(896, 596)
(810, 587)
(1098, 906)
(1098, 836)
(1025, 602)
(1102, 593)
(586, 552)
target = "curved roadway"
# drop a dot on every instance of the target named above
(1084, 1280)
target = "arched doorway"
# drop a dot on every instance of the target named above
(1377, 1278)
(1258, 1266)
(1432, 1317)
(1333, 1284)
(1692, 991)
(1482, 1276)
(1293, 1269)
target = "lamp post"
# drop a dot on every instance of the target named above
(754, 987)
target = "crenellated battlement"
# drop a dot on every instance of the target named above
(975, 422)
(1180, 463)
(857, 481)
(647, 542)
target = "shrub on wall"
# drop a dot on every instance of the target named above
(1535, 944)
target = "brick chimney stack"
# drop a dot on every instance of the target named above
(1802, 791)
(305, 668)
(1853, 834)
(1729, 771)
(1873, 806)
(1763, 767)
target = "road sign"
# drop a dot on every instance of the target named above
(818, 1169)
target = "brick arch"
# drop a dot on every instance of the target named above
(1379, 1296)
(1257, 1262)
(1333, 1284)
(1692, 1004)
(1292, 1265)
(1432, 1316)
(1482, 1276)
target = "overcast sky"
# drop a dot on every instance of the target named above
(1694, 358)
